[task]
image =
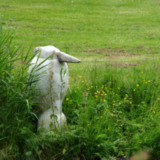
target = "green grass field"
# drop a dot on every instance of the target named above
(85, 28)
(112, 105)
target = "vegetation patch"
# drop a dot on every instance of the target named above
(112, 104)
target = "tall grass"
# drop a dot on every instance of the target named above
(111, 111)
(16, 127)
(118, 109)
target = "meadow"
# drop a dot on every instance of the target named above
(112, 104)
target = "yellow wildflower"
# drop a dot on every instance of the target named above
(64, 151)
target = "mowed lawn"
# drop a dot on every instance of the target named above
(87, 28)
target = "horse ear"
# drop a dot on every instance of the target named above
(63, 57)
(36, 50)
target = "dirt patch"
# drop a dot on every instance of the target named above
(5, 6)
(62, 29)
(142, 155)
(108, 51)
(119, 52)
(98, 50)
(157, 1)
(150, 35)
(125, 64)
(139, 47)
(119, 55)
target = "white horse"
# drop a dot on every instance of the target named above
(53, 84)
